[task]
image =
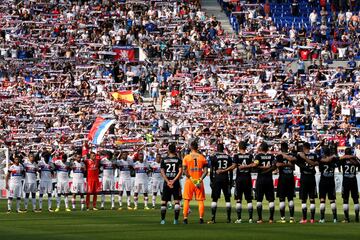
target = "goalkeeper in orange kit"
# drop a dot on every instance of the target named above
(195, 169)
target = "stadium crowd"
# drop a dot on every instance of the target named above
(61, 62)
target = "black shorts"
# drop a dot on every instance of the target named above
(218, 186)
(350, 186)
(243, 186)
(286, 187)
(174, 192)
(307, 188)
(327, 187)
(264, 187)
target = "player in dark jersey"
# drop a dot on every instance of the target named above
(307, 162)
(349, 164)
(265, 164)
(327, 166)
(286, 184)
(243, 162)
(171, 170)
(220, 181)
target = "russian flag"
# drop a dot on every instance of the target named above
(99, 128)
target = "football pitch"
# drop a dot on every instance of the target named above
(144, 224)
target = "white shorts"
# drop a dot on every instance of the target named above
(63, 187)
(46, 187)
(141, 187)
(125, 184)
(108, 184)
(78, 187)
(157, 185)
(30, 187)
(14, 190)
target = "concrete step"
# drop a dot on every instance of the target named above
(212, 8)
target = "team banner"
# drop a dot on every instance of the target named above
(98, 129)
(125, 53)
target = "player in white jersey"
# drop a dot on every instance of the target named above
(108, 184)
(13, 183)
(30, 185)
(141, 180)
(62, 168)
(157, 180)
(124, 164)
(78, 183)
(46, 170)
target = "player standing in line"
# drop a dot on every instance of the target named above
(327, 167)
(171, 171)
(349, 164)
(286, 184)
(78, 183)
(92, 167)
(62, 172)
(265, 164)
(13, 183)
(220, 181)
(125, 165)
(46, 186)
(157, 180)
(307, 162)
(141, 181)
(108, 183)
(30, 185)
(195, 169)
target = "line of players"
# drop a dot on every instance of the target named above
(264, 163)
(22, 177)
(222, 166)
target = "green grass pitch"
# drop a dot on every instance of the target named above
(143, 224)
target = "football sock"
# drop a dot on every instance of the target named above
(153, 199)
(259, 210)
(163, 211)
(272, 210)
(228, 210)
(334, 210)
(201, 209)
(346, 211)
(128, 200)
(40, 201)
(213, 210)
(18, 200)
(102, 200)
(73, 200)
(82, 201)
(176, 210)
(356, 207)
(291, 208)
(146, 199)
(238, 210)
(33, 200)
(304, 210)
(26, 201)
(66, 202)
(87, 200)
(120, 199)
(322, 210)
(250, 210)
(9, 204)
(312, 210)
(58, 198)
(112, 199)
(136, 200)
(186, 208)
(49, 200)
(282, 209)
(94, 200)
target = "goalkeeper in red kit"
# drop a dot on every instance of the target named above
(92, 166)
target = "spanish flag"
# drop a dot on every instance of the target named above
(123, 96)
